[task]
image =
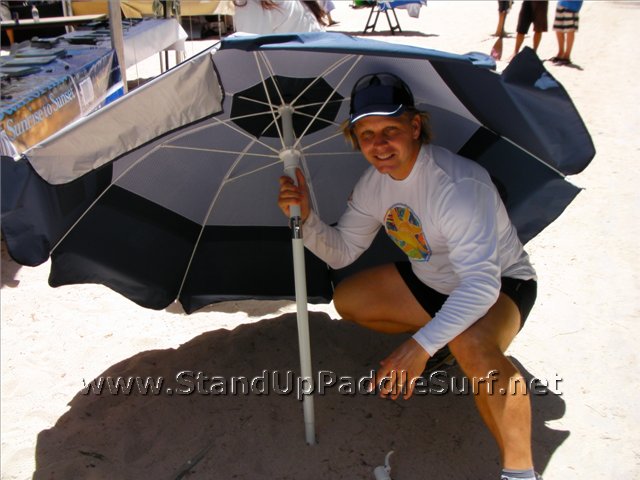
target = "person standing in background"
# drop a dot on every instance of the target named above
(328, 6)
(566, 25)
(531, 12)
(278, 16)
(503, 10)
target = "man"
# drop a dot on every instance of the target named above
(503, 10)
(531, 11)
(468, 283)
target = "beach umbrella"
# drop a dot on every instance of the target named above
(170, 192)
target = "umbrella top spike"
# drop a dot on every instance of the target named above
(286, 107)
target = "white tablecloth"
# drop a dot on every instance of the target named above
(144, 39)
(151, 36)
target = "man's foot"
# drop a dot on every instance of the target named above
(441, 359)
(506, 476)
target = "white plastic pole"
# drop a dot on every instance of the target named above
(291, 160)
(117, 39)
(67, 12)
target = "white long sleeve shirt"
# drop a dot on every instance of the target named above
(448, 218)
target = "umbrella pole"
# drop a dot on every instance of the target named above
(306, 384)
(291, 160)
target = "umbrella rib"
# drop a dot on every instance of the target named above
(335, 88)
(255, 170)
(226, 123)
(315, 104)
(214, 150)
(328, 70)
(269, 68)
(562, 175)
(254, 100)
(327, 154)
(244, 133)
(242, 117)
(266, 91)
(312, 192)
(326, 139)
(314, 117)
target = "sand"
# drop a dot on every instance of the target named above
(581, 335)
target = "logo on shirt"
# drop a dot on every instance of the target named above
(404, 228)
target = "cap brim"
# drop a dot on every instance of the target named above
(377, 110)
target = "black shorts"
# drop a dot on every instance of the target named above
(533, 12)
(522, 292)
(504, 6)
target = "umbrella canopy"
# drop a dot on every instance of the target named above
(170, 192)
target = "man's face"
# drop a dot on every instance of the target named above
(390, 144)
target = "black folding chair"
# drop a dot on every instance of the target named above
(382, 7)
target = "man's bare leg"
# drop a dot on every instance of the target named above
(519, 42)
(537, 37)
(571, 36)
(502, 16)
(505, 410)
(560, 38)
(379, 299)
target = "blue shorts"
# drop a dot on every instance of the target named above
(522, 292)
(566, 20)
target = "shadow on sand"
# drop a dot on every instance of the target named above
(548, 63)
(202, 435)
(387, 33)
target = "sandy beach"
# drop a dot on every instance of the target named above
(581, 337)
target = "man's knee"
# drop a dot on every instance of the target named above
(474, 351)
(353, 304)
(342, 302)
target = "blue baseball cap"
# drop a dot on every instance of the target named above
(379, 94)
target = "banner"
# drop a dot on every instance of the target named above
(38, 105)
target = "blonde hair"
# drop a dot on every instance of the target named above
(425, 127)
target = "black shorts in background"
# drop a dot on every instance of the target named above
(504, 6)
(533, 12)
